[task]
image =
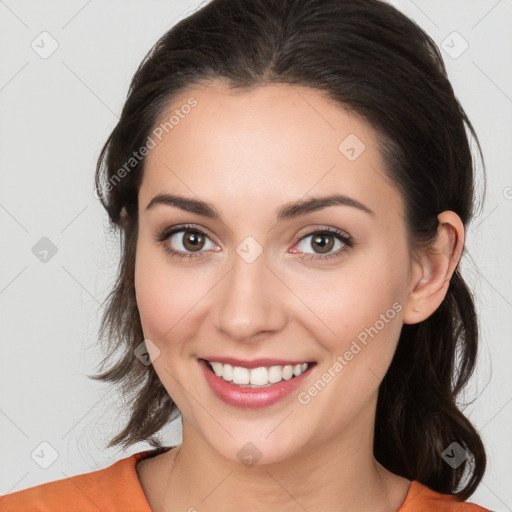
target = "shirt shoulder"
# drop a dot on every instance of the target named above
(421, 498)
(114, 488)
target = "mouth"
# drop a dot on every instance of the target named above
(258, 377)
(254, 387)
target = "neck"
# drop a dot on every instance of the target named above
(315, 483)
(336, 474)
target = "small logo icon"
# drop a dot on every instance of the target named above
(249, 454)
(249, 250)
(146, 352)
(351, 147)
(44, 250)
(44, 45)
(454, 455)
(454, 45)
(44, 455)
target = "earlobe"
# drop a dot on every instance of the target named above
(433, 269)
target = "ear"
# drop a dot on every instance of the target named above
(433, 268)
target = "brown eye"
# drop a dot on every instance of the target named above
(325, 243)
(193, 240)
(322, 243)
(186, 242)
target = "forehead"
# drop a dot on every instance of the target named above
(269, 145)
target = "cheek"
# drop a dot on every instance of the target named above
(349, 301)
(165, 294)
(362, 308)
(360, 311)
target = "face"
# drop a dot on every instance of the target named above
(261, 280)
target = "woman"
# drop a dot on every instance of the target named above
(292, 180)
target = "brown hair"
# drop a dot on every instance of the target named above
(373, 61)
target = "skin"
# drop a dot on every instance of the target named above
(248, 154)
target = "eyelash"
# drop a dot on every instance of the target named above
(347, 241)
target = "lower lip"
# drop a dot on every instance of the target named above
(251, 398)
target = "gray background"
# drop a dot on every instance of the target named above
(56, 112)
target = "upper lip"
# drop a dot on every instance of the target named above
(254, 363)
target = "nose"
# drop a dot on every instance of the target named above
(251, 301)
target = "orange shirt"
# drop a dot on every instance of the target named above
(117, 489)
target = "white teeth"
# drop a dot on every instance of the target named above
(240, 375)
(217, 368)
(275, 374)
(257, 377)
(227, 372)
(288, 372)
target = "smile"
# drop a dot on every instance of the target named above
(256, 377)
(253, 387)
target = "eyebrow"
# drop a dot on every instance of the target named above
(287, 211)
